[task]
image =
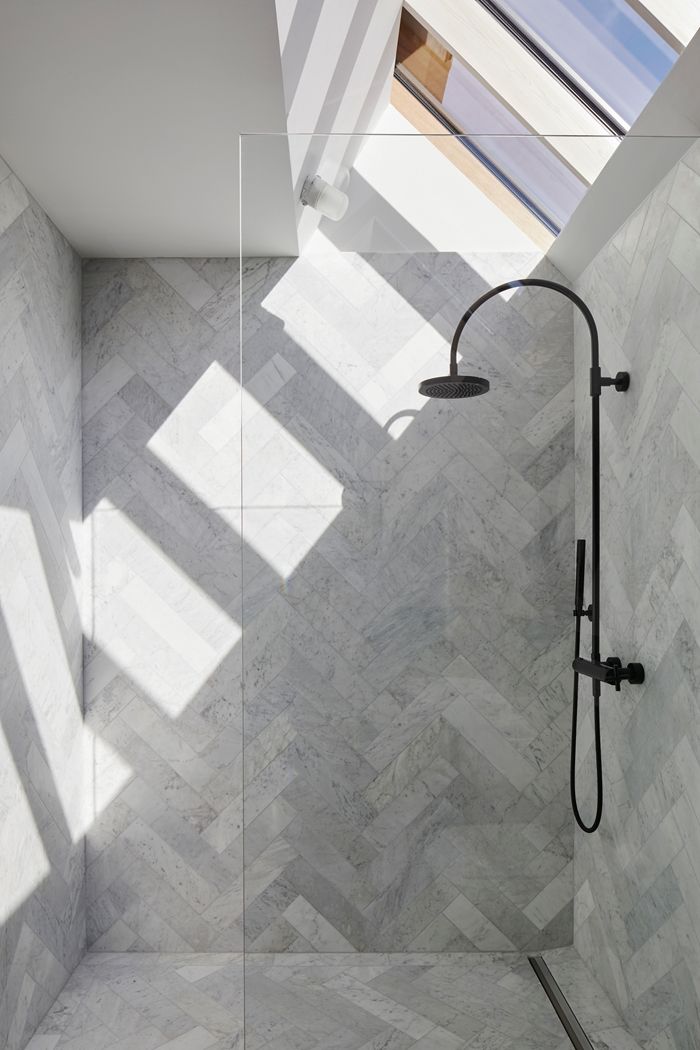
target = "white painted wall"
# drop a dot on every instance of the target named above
(122, 118)
(337, 64)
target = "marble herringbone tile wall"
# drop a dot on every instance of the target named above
(161, 448)
(637, 902)
(42, 916)
(405, 610)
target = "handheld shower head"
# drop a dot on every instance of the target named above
(454, 386)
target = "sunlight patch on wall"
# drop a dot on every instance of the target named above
(200, 441)
(380, 373)
(289, 498)
(152, 622)
(328, 293)
(36, 639)
(24, 860)
(111, 774)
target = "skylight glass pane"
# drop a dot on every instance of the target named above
(522, 83)
(612, 49)
(528, 162)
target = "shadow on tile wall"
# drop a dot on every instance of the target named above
(405, 784)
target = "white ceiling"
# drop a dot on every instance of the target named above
(122, 118)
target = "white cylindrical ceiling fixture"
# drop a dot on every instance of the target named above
(319, 194)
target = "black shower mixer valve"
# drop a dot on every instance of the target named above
(610, 671)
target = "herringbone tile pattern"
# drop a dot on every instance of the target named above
(141, 1001)
(450, 1001)
(42, 916)
(405, 605)
(403, 609)
(162, 670)
(366, 1002)
(638, 904)
(405, 723)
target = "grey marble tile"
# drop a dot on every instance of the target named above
(354, 780)
(634, 893)
(42, 935)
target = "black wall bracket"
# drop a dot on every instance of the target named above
(621, 381)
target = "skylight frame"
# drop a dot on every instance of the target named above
(574, 150)
(538, 101)
(560, 70)
(434, 108)
(525, 67)
(596, 128)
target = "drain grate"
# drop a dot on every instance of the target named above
(569, 1020)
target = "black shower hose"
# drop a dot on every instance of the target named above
(588, 828)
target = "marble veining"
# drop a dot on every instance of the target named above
(393, 781)
(637, 898)
(135, 1001)
(403, 609)
(589, 1001)
(444, 1001)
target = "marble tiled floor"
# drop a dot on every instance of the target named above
(140, 1001)
(144, 1001)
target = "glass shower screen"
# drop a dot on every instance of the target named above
(407, 573)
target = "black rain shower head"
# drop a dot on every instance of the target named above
(454, 386)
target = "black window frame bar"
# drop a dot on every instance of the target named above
(555, 69)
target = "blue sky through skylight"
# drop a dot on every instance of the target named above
(607, 44)
(543, 90)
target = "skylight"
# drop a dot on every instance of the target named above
(542, 91)
(616, 55)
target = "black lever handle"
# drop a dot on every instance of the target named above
(609, 671)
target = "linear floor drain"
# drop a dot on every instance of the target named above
(569, 1020)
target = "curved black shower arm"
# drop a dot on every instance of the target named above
(538, 283)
